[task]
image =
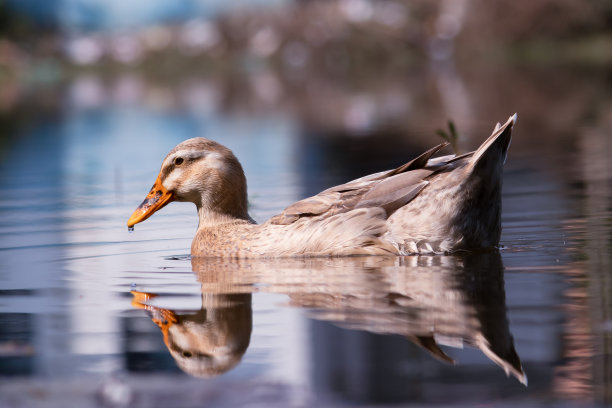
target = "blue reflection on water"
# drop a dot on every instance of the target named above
(70, 182)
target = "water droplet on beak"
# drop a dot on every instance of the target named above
(130, 229)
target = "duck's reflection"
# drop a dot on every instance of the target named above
(207, 342)
(431, 300)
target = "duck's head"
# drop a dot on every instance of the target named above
(200, 171)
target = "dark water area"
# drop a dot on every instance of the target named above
(93, 315)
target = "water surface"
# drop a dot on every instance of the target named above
(91, 313)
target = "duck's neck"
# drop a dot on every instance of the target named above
(225, 200)
(210, 218)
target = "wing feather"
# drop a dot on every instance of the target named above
(396, 191)
(389, 189)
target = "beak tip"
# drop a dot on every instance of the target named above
(133, 221)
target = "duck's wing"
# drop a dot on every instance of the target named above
(388, 189)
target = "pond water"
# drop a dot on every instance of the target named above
(91, 314)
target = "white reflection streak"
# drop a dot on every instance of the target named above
(95, 329)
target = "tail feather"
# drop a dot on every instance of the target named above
(496, 144)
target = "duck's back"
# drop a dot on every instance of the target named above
(425, 206)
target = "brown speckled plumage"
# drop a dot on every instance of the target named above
(428, 205)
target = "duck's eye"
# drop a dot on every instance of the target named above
(178, 161)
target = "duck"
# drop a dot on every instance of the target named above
(430, 205)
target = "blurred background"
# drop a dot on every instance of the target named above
(342, 67)
(308, 94)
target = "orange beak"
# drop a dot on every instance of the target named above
(157, 198)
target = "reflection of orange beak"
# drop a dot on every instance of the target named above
(157, 198)
(165, 319)
(140, 299)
